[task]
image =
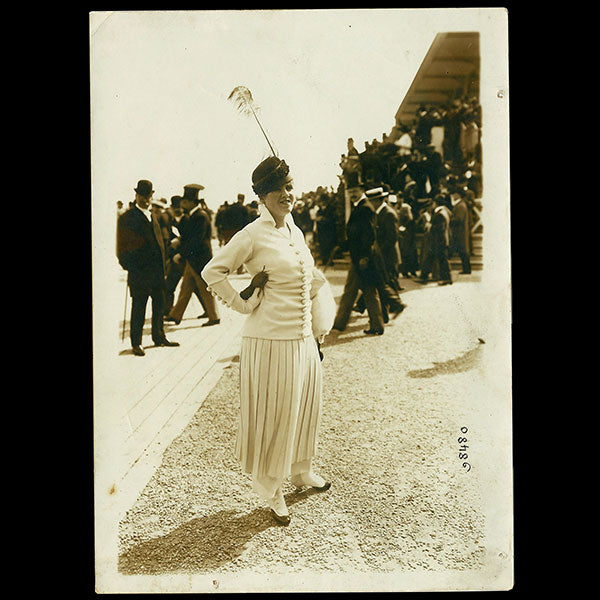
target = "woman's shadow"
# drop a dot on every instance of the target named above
(202, 544)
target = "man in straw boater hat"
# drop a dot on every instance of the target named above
(386, 253)
(158, 206)
(195, 248)
(141, 252)
(365, 267)
(387, 235)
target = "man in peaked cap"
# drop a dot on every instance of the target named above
(141, 252)
(195, 248)
(170, 226)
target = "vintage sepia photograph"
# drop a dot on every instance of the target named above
(301, 278)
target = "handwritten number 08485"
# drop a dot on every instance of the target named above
(462, 454)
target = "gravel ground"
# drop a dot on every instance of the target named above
(393, 408)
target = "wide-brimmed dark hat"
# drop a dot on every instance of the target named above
(144, 188)
(271, 174)
(191, 191)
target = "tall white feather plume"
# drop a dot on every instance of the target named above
(242, 98)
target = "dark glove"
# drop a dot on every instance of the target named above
(319, 349)
(258, 281)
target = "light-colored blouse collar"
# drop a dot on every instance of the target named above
(265, 215)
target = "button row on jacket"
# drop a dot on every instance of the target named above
(305, 296)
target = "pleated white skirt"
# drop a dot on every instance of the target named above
(280, 402)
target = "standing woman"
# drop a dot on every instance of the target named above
(290, 309)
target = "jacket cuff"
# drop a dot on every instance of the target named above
(227, 295)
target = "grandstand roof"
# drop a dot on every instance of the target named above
(449, 70)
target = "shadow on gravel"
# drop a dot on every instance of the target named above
(341, 337)
(202, 544)
(460, 364)
(407, 287)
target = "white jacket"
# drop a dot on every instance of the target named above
(283, 309)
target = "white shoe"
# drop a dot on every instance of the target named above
(310, 479)
(279, 508)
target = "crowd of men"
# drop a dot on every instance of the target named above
(441, 143)
(231, 218)
(320, 215)
(413, 201)
(422, 186)
(162, 246)
(381, 240)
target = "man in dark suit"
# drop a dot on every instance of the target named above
(417, 168)
(170, 227)
(425, 122)
(433, 166)
(407, 227)
(364, 273)
(461, 229)
(141, 252)
(195, 248)
(237, 218)
(387, 235)
(440, 241)
(171, 218)
(386, 220)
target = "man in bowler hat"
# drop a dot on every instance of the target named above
(195, 248)
(141, 252)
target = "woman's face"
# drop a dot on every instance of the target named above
(280, 202)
